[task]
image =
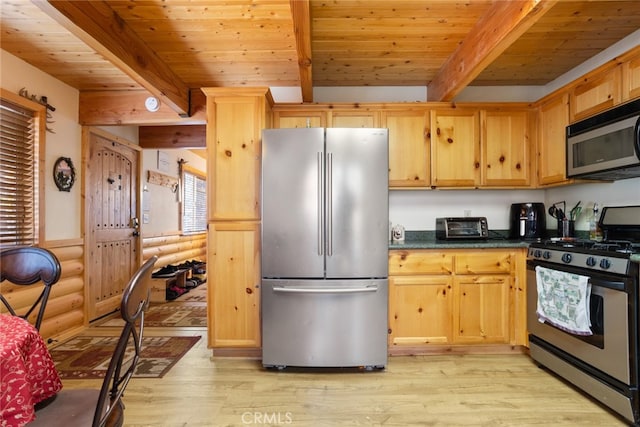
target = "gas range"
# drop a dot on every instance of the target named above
(583, 310)
(621, 228)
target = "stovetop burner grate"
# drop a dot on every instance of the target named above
(622, 246)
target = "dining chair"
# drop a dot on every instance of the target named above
(104, 407)
(29, 265)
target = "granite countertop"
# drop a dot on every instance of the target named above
(497, 239)
(427, 240)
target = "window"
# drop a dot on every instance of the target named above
(20, 127)
(194, 201)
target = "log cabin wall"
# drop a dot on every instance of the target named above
(174, 248)
(65, 313)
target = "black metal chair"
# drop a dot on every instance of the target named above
(104, 407)
(28, 266)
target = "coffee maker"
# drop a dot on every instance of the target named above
(527, 221)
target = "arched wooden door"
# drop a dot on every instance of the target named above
(111, 218)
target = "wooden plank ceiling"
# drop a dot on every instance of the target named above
(111, 49)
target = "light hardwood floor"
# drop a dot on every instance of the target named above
(453, 390)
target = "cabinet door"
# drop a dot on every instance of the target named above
(506, 148)
(233, 290)
(354, 119)
(299, 119)
(420, 310)
(233, 147)
(596, 93)
(481, 309)
(455, 148)
(553, 121)
(631, 79)
(408, 148)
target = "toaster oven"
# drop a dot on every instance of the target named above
(462, 228)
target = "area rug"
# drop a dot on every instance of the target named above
(88, 357)
(169, 315)
(198, 294)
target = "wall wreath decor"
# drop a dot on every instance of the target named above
(64, 173)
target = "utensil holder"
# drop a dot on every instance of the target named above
(566, 228)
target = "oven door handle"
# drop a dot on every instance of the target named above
(611, 284)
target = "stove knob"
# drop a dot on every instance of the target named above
(537, 253)
(591, 261)
(605, 264)
(546, 254)
(566, 258)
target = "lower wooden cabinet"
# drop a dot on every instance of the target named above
(421, 309)
(482, 308)
(234, 285)
(457, 296)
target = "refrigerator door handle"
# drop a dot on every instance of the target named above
(320, 204)
(336, 290)
(329, 204)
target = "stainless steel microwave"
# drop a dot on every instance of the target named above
(606, 146)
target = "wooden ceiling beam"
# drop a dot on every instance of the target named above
(115, 108)
(300, 12)
(164, 137)
(502, 25)
(97, 25)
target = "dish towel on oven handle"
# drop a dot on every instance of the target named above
(563, 300)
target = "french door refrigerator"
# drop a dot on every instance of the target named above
(324, 257)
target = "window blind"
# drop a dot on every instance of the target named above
(18, 176)
(194, 203)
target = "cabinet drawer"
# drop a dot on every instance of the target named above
(482, 262)
(419, 262)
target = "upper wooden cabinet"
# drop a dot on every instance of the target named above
(553, 119)
(596, 92)
(235, 119)
(506, 148)
(355, 118)
(299, 119)
(455, 147)
(631, 79)
(481, 147)
(613, 83)
(409, 157)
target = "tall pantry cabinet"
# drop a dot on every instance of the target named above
(235, 119)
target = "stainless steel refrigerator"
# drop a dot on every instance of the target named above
(325, 228)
